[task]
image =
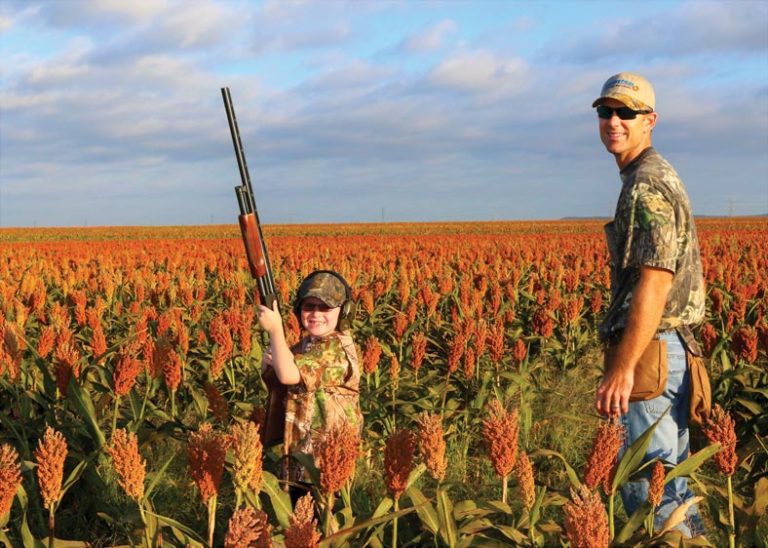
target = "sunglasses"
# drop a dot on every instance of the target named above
(624, 113)
(316, 307)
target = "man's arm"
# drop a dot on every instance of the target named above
(648, 301)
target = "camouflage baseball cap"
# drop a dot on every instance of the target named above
(325, 286)
(631, 89)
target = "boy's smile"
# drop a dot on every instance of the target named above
(318, 318)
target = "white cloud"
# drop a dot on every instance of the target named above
(431, 38)
(138, 10)
(481, 71)
(130, 102)
(693, 28)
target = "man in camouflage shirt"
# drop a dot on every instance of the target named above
(657, 289)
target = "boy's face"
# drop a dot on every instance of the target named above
(318, 318)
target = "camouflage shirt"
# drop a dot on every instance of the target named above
(328, 393)
(653, 226)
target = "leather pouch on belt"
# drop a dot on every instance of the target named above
(701, 393)
(650, 373)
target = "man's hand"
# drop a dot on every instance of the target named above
(648, 301)
(613, 394)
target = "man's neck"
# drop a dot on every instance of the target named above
(626, 158)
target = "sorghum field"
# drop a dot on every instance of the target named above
(131, 396)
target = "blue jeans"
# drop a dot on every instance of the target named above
(670, 441)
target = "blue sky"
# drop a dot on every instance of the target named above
(111, 114)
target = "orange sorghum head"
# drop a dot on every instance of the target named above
(399, 325)
(496, 342)
(14, 349)
(709, 338)
(501, 430)
(525, 481)
(217, 405)
(520, 351)
(206, 452)
(50, 455)
(336, 453)
(127, 369)
(371, 354)
(398, 460)
(10, 477)
(419, 344)
(586, 523)
(744, 344)
(303, 530)
(248, 528)
(470, 361)
(605, 449)
(247, 448)
(721, 428)
(432, 444)
(46, 341)
(66, 365)
(394, 371)
(656, 487)
(172, 370)
(131, 469)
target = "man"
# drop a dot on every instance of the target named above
(657, 288)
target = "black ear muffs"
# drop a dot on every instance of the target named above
(348, 307)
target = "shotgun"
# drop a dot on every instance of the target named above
(261, 270)
(250, 227)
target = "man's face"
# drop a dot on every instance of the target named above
(626, 139)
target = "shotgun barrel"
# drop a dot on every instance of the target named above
(250, 226)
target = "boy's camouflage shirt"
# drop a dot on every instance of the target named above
(653, 226)
(327, 394)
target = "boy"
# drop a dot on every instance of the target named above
(321, 372)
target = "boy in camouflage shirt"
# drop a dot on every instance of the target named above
(321, 372)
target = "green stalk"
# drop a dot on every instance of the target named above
(211, 518)
(144, 522)
(445, 395)
(114, 414)
(504, 488)
(394, 414)
(146, 397)
(610, 516)
(51, 525)
(731, 521)
(328, 515)
(531, 529)
(649, 526)
(394, 523)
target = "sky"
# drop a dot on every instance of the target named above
(367, 111)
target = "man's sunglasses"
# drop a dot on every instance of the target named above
(624, 113)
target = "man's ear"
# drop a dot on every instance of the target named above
(650, 120)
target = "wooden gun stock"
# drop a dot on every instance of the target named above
(253, 245)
